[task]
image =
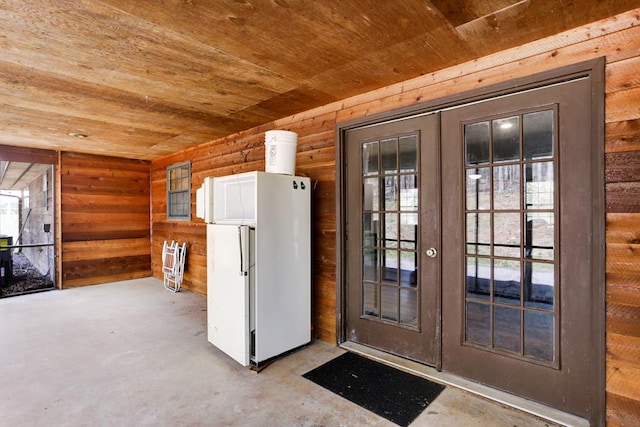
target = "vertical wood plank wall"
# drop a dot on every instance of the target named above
(616, 38)
(105, 219)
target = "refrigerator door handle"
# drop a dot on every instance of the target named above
(243, 270)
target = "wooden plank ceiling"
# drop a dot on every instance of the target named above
(141, 79)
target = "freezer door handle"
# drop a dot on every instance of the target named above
(244, 271)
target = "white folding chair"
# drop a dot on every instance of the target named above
(173, 258)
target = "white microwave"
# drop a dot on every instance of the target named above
(204, 200)
(235, 198)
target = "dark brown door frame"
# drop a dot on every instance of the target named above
(592, 69)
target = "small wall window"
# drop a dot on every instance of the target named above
(179, 191)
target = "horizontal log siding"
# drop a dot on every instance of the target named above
(617, 39)
(105, 219)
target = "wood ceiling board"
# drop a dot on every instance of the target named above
(420, 55)
(176, 143)
(181, 72)
(71, 106)
(463, 11)
(512, 26)
(42, 92)
(296, 39)
(619, 45)
(116, 142)
(290, 103)
(56, 126)
(104, 46)
(528, 21)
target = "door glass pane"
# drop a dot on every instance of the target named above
(506, 139)
(506, 281)
(409, 192)
(506, 187)
(390, 201)
(478, 278)
(370, 158)
(389, 152)
(390, 230)
(476, 143)
(539, 185)
(539, 339)
(370, 265)
(506, 328)
(539, 282)
(479, 233)
(370, 232)
(539, 236)
(409, 154)
(538, 134)
(478, 188)
(409, 307)
(389, 306)
(370, 196)
(370, 294)
(408, 268)
(478, 323)
(409, 231)
(390, 266)
(506, 234)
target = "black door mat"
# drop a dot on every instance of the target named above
(393, 394)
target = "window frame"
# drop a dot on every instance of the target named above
(171, 214)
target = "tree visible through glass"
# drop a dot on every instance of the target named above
(511, 250)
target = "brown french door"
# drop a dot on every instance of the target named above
(393, 217)
(518, 209)
(474, 242)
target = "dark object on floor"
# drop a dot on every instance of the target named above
(26, 279)
(393, 394)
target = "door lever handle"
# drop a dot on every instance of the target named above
(432, 252)
(243, 270)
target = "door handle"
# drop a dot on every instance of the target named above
(243, 269)
(432, 252)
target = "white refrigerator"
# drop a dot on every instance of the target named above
(258, 265)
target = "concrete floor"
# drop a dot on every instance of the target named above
(134, 354)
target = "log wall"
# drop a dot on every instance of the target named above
(617, 39)
(105, 219)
